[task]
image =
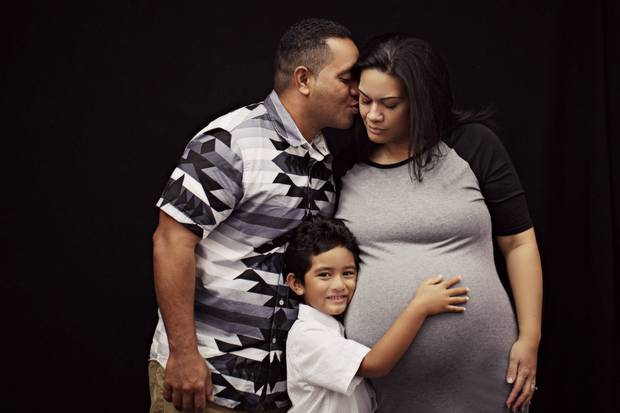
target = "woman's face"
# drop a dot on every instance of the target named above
(384, 107)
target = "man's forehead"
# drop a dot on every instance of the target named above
(344, 53)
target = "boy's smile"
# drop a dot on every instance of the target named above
(330, 282)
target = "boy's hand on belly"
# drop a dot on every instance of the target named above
(434, 296)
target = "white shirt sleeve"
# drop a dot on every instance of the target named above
(326, 360)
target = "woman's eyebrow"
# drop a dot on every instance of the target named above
(383, 98)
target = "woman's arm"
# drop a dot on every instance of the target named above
(525, 275)
(432, 297)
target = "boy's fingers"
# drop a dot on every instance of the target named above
(449, 283)
(458, 291)
(455, 309)
(458, 300)
(435, 279)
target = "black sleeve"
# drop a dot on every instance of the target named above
(481, 148)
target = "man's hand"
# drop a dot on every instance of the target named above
(187, 382)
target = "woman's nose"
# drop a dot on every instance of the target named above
(374, 114)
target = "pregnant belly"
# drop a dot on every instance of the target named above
(457, 362)
(481, 337)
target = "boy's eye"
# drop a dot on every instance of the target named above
(349, 274)
(346, 80)
(364, 101)
(323, 274)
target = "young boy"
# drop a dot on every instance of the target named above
(325, 370)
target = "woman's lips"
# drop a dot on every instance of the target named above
(374, 131)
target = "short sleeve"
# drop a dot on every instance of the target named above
(326, 360)
(206, 184)
(500, 186)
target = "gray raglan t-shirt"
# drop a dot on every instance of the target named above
(410, 230)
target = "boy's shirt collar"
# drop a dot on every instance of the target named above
(308, 313)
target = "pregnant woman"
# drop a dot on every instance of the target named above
(432, 188)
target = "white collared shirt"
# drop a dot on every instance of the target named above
(321, 365)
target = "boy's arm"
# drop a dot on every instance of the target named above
(432, 297)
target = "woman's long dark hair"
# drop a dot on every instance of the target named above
(426, 79)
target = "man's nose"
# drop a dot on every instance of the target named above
(353, 90)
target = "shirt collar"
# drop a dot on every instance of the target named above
(308, 313)
(286, 127)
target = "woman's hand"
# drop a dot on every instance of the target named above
(522, 372)
(434, 296)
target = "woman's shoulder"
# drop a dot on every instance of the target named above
(474, 133)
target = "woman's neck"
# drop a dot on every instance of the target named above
(390, 153)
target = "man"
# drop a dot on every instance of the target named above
(242, 184)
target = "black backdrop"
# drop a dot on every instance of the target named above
(101, 99)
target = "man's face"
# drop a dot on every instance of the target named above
(334, 95)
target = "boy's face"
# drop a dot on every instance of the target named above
(330, 282)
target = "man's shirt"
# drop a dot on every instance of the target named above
(321, 366)
(242, 184)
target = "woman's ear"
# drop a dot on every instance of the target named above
(294, 284)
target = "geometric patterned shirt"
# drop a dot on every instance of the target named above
(242, 184)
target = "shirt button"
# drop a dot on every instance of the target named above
(281, 302)
(273, 340)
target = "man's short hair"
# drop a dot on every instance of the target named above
(304, 44)
(315, 237)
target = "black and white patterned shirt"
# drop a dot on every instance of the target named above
(243, 183)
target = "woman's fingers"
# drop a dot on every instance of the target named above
(517, 388)
(526, 394)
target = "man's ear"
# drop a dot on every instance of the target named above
(302, 79)
(294, 284)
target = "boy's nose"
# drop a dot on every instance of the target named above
(338, 283)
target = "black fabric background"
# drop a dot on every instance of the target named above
(100, 100)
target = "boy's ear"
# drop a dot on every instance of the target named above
(294, 284)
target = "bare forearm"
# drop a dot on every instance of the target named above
(174, 266)
(525, 274)
(390, 348)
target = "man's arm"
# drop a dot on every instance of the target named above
(187, 381)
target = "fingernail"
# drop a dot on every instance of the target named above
(467, 289)
(510, 380)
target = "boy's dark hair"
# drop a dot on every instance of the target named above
(304, 44)
(316, 237)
